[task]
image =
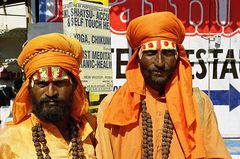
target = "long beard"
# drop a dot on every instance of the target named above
(50, 113)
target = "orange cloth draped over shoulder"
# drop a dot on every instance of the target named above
(125, 105)
(50, 50)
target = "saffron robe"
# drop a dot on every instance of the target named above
(16, 141)
(124, 142)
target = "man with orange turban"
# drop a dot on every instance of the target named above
(156, 113)
(50, 111)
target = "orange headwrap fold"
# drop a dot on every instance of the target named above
(50, 50)
(125, 104)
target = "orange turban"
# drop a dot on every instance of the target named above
(50, 50)
(125, 105)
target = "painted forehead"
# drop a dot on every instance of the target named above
(157, 45)
(49, 74)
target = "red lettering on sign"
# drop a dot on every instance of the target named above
(202, 18)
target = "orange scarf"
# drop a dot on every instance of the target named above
(50, 50)
(125, 104)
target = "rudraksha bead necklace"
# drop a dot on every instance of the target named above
(147, 142)
(40, 142)
(167, 133)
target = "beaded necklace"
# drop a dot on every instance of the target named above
(40, 142)
(167, 133)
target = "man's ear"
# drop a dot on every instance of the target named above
(178, 51)
(73, 79)
(137, 57)
(74, 83)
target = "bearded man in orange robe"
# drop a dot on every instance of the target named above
(50, 111)
(157, 114)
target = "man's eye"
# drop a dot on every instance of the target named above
(62, 83)
(150, 52)
(41, 83)
(169, 52)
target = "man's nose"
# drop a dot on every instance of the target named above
(159, 59)
(52, 90)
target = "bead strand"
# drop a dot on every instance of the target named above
(147, 132)
(147, 143)
(77, 148)
(40, 142)
(166, 135)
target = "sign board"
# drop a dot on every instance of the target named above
(89, 23)
(50, 11)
